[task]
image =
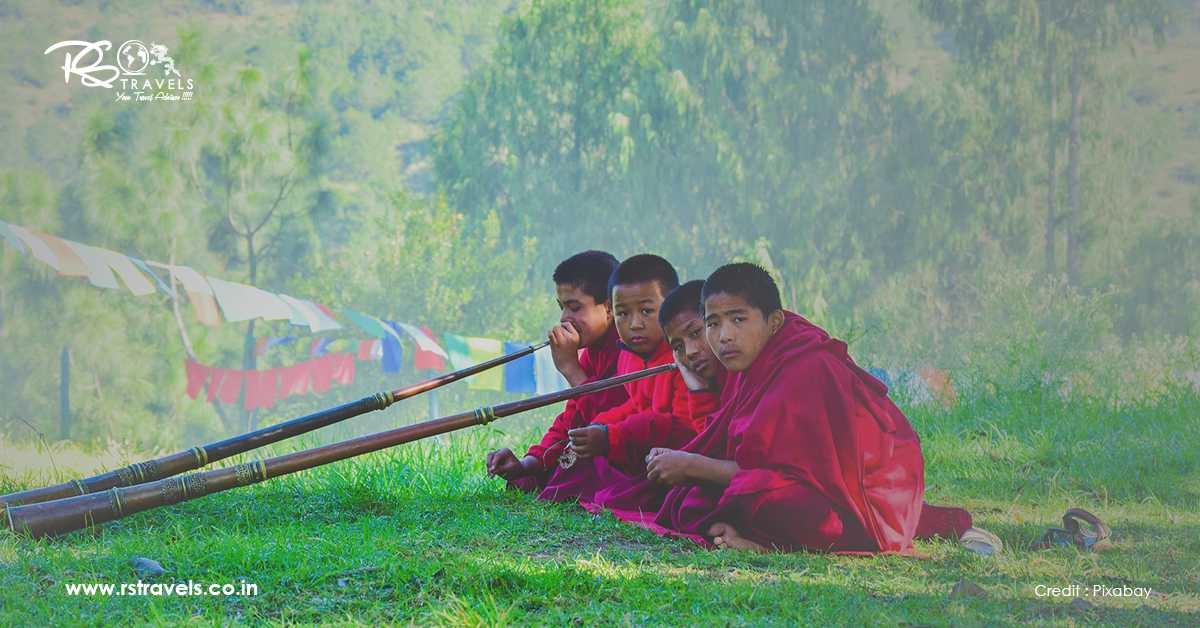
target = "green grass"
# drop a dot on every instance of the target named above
(420, 535)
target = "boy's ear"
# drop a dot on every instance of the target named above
(775, 321)
(608, 309)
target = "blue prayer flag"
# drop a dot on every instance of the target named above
(519, 374)
(393, 353)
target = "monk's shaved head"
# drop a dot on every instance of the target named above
(748, 281)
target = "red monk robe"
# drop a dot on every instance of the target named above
(827, 461)
(660, 411)
(598, 362)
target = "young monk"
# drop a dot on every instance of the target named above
(697, 388)
(586, 322)
(806, 452)
(664, 409)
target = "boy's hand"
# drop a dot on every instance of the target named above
(694, 382)
(656, 452)
(589, 441)
(564, 349)
(505, 464)
(668, 467)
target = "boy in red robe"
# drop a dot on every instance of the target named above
(806, 452)
(663, 425)
(661, 405)
(585, 348)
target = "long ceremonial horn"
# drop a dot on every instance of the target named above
(74, 513)
(197, 457)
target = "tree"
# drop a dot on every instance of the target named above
(1017, 36)
(575, 116)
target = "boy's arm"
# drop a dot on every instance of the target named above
(672, 467)
(555, 437)
(694, 406)
(564, 349)
(618, 413)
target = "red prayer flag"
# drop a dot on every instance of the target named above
(428, 359)
(214, 384)
(250, 401)
(260, 388)
(322, 369)
(293, 380)
(344, 369)
(268, 388)
(231, 386)
(197, 375)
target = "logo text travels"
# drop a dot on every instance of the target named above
(142, 73)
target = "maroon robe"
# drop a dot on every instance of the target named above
(827, 461)
(598, 362)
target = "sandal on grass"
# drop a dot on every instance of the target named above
(1091, 539)
(981, 542)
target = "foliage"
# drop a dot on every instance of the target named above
(420, 535)
(431, 162)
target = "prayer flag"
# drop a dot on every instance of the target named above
(240, 302)
(370, 350)
(457, 350)
(250, 401)
(319, 347)
(69, 262)
(546, 374)
(268, 388)
(144, 267)
(373, 326)
(482, 350)
(294, 380)
(133, 278)
(393, 353)
(322, 370)
(344, 368)
(204, 305)
(261, 388)
(519, 374)
(231, 386)
(37, 247)
(429, 356)
(276, 341)
(11, 237)
(95, 265)
(424, 340)
(214, 382)
(197, 376)
(307, 313)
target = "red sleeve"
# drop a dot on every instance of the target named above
(619, 413)
(575, 415)
(552, 442)
(630, 440)
(691, 408)
(587, 363)
(701, 404)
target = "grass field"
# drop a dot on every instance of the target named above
(420, 535)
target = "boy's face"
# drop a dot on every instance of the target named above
(635, 310)
(685, 334)
(580, 309)
(736, 330)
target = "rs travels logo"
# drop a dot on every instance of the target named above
(142, 73)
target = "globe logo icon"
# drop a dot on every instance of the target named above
(133, 57)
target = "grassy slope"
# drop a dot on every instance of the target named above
(420, 535)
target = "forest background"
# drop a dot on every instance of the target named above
(1006, 191)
